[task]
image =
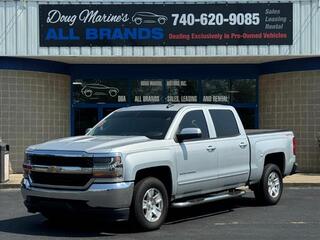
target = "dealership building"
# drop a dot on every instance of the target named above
(65, 65)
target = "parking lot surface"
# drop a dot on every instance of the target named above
(297, 216)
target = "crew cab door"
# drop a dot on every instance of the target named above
(197, 162)
(232, 147)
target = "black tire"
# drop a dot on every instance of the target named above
(265, 194)
(137, 213)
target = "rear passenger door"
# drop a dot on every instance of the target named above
(232, 147)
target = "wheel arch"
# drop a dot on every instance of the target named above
(163, 173)
(278, 159)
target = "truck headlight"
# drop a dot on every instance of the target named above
(108, 167)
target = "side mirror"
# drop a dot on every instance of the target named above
(189, 133)
(88, 130)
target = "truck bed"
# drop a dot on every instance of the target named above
(264, 131)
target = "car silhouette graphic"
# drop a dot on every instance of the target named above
(148, 17)
(96, 89)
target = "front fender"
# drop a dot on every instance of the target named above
(148, 159)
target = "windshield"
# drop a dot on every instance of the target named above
(152, 124)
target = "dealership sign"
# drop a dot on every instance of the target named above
(165, 24)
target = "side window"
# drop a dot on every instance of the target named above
(224, 123)
(195, 119)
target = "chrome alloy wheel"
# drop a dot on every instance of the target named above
(274, 185)
(152, 205)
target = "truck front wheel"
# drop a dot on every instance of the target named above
(269, 190)
(150, 204)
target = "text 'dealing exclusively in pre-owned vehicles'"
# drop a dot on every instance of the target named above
(140, 160)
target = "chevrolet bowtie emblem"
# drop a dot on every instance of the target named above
(54, 169)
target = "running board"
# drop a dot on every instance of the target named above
(208, 198)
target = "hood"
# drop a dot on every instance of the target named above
(89, 144)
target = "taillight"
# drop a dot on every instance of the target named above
(294, 146)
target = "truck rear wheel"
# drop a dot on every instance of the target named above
(150, 204)
(269, 190)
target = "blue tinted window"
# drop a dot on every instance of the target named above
(224, 123)
(195, 119)
(152, 124)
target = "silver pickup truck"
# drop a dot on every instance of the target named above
(139, 161)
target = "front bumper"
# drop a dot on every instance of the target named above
(99, 197)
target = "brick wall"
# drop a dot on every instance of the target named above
(292, 101)
(34, 107)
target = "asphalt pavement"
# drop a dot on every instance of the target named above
(297, 216)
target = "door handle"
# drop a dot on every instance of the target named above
(243, 145)
(210, 148)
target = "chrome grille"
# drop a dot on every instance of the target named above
(61, 161)
(50, 170)
(58, 179)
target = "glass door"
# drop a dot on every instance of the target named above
(87, 117)
(248, 117)
(84, 118)
(107, 111)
